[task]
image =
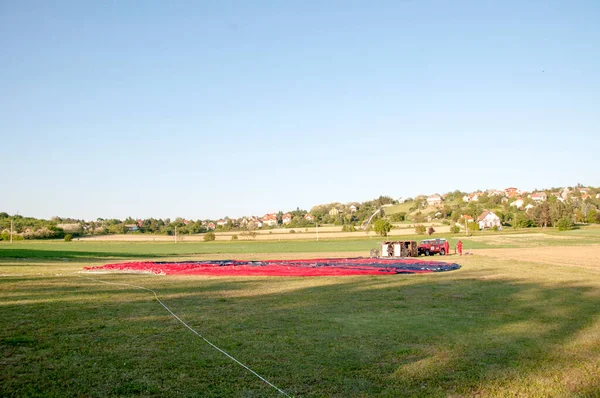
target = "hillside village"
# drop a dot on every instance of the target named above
(482, 209)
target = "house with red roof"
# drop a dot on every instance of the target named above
(286, 219)
(539, 196)
(472, 197)
(467, 218)
(270, 219)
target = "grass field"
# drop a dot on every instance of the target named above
(520, 318)
(402, 207)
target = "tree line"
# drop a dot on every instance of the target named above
(553, 212)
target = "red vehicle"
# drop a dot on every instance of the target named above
(429, 247)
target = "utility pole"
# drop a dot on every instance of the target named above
(317, 232)
(11, 231)
(176, 234)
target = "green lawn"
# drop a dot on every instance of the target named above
(402, 207)
(492, 328)
(106, 251)
(122, 250)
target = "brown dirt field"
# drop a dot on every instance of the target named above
(571, 256)
(276, 234)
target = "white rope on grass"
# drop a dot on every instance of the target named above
(194, 331)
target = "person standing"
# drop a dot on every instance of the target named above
(446, 248)
(459, 247)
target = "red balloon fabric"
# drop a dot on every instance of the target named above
(311, 267)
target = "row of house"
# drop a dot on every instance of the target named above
(436, 199)
(564, 195)
(269, 220)
(517, 195)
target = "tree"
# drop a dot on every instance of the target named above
(455, 216)
(209, 237)
(541, 214)
(384, 200)
(382, 227)
(400, 216)
(565, 224)
(430, 231)
(348, 228)
(116, 229)
(592, 216)
(418, 217)
(473, 226)
(420, 229)
(558, 210)
(521, 220)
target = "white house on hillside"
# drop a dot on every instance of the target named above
(270, 219)
(488, 219)
(286, 219)
(539, 196)
(517, 203)
(434, 200)
(472, 197)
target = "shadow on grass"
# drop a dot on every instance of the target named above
(359, 336)
(37, 254)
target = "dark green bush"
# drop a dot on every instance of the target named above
(565, 224)
(473, 226)
(420, 229)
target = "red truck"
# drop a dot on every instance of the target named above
(429, 247)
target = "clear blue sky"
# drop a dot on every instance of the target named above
(230, 108)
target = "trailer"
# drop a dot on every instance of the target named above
(399, 248)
